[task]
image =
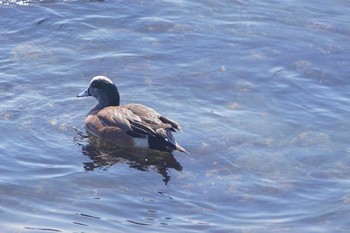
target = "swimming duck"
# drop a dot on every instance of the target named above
(126, 125)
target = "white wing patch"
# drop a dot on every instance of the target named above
(141, 142)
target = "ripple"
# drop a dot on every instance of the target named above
(10, 115)
(42, 229)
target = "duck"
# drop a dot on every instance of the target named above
(130, 125)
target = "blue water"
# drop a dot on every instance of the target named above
(261, 90)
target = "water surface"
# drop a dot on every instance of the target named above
(260, 89)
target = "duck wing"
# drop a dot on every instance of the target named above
(153, 118)
(126, 120)
(163, 127)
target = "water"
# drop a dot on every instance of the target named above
(260, 89)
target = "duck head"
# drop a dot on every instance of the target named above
(104, 90)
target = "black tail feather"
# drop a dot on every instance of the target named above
(159, 143)
(165, 141)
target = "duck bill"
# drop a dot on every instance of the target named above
(84, 93)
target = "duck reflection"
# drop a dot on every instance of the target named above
(104, 155)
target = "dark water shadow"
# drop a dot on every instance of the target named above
(103, 156)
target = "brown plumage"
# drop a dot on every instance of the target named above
(121, 125)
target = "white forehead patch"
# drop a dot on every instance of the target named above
(100, 77)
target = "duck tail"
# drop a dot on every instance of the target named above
(181, 149)
(171, 139)
(165, 141)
